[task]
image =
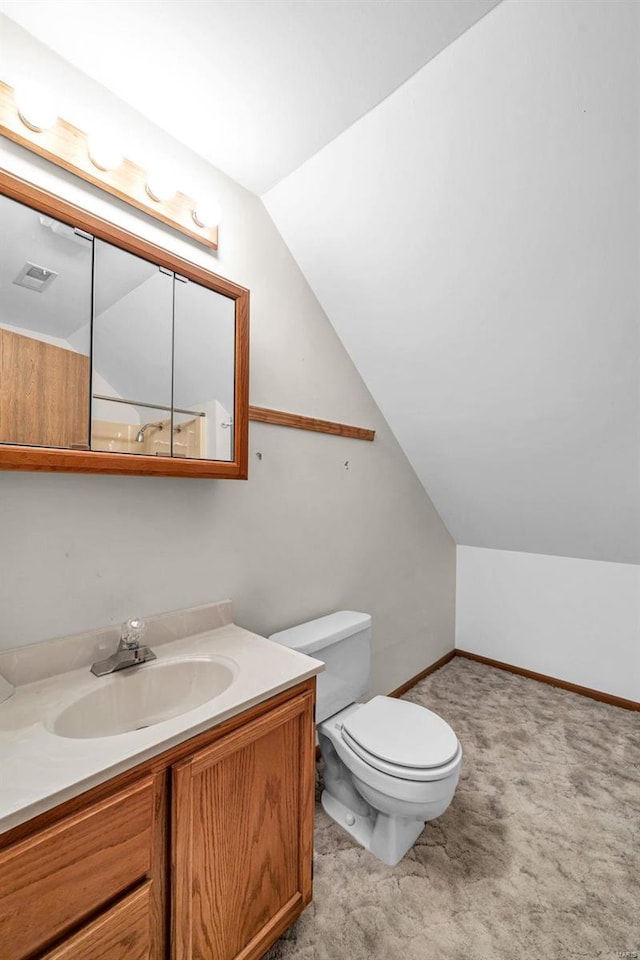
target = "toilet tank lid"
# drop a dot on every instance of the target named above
(315, 634)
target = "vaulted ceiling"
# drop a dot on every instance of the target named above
(475, 242)
(254, 86)
(469, 221)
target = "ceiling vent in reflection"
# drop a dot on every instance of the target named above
(35, 278)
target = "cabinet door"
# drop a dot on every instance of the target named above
(132, 354)
(55, 879)
(243, 836)
(121, 933)
(203, 372)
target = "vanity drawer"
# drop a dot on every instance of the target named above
(50, 882)
(121, 933)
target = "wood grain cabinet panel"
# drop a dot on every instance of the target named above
(52, 881)
(121, 933)
(44, 395)
(242, 836)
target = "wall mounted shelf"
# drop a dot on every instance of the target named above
(280, 418)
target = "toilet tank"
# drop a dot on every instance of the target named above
(343, 642)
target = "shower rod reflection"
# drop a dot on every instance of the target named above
(151, 406)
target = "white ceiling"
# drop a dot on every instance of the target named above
(474, 241)
(255, 86)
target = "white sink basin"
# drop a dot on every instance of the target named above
(140, 697)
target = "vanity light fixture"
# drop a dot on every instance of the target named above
(30, 119)
(35, 108)
(160, 186)
(103, 152)
(207, 213)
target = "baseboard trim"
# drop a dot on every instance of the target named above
(552, 681)
(521, 672)
(400, 691)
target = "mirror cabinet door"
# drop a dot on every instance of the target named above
(132, 350)
(203, 373)
(106, 349)
(45, 329)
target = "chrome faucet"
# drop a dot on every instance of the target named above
(129, 652)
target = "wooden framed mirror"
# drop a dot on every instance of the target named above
(116, 356)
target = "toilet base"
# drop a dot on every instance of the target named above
(387, 838)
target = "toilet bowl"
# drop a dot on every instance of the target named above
(389, 765)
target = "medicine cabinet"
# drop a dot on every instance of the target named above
(115, 355)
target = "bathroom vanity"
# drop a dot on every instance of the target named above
(202, 850)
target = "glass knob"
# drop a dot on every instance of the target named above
(132, 631)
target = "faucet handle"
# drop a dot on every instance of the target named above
(131, 632)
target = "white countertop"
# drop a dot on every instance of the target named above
(40, 769)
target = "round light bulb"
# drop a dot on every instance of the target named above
(160, 186)
(35, 107)
(207, 213)
(103, 152)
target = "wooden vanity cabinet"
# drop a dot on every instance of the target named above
(60, 876)
(242, 836)
(202, 853)
(122, 931)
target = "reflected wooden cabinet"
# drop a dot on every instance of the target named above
(115, 355)
(215, 834)
(43, 393)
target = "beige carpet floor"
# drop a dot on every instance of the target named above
(537, 856)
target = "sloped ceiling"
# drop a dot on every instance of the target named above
(474, 241)
(63, 306)
(255, 86)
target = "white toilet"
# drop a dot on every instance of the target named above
(389, 765)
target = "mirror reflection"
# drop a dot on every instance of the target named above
(45, 329)
(103, 350)
(132, 349)
(203, 384)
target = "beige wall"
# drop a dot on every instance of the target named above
(305, 535)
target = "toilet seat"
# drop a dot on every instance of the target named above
(401, 739)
